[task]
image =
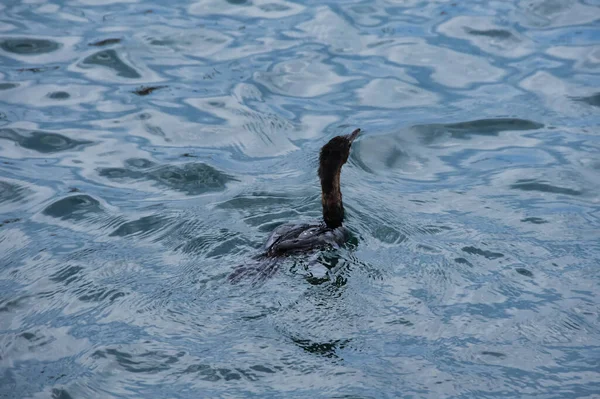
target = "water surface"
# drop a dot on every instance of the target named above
(148, 148)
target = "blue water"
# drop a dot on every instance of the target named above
(148, 148)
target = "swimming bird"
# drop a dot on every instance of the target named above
(303, 237)
(290, 238)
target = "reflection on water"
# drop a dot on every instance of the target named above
(191, 178)
(591, 100)
(73, 207)
(28, 45)
(11, 192)
(43, 142)
(147, 149)
(105, 42)
(110, 59)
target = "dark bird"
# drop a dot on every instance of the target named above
(330, 232)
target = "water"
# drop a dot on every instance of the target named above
(148, 148)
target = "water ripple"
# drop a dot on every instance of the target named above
(148, 149)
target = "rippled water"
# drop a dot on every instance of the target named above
(148, 148)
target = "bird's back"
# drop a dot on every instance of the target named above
(293, 238)
(285, 240)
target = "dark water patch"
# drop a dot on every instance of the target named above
(38, 69)
(59, 393)
(593, 100)
(498, 355)
(67, 275)
(35, 340)
(50, 142)
(145, 90)
(524, 272)
(388, 235)
(256, 201)
(10, 305)
(149, 362)
(273, 7)
(494, 33)
(139, 163)
(534, 220)
(73, 207)
(571, 324)
(208, 373)
(427, 249)
(326, 349)
(490, 126)
(231, 246)
(192, 238)
(98, 294)
(110, 59)
(494, 125)
(351, 396)
(535, 185)
(229, 374)
(400, 321)
(162, 42)
(482, 252)
(237, 2)
(262, 219)
(191, 178)
(262, 369)
(8, 86)
(105, 42)
(431, 229)
(463, 261)
(142, 226)
(255, 271)
(29, 336)
(395, 156)
(9, 221)
(10, 192)
(217, 104)
(120, 174)
(197, 245)
(480, 127)
(59, 95)
(156, 131)
(40, 141)
(320, 278)
(28, 46)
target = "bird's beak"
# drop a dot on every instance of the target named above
(353, 135)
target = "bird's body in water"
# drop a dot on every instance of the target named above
(294, 238)
(302, 237)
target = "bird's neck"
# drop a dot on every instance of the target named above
(331, 198)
